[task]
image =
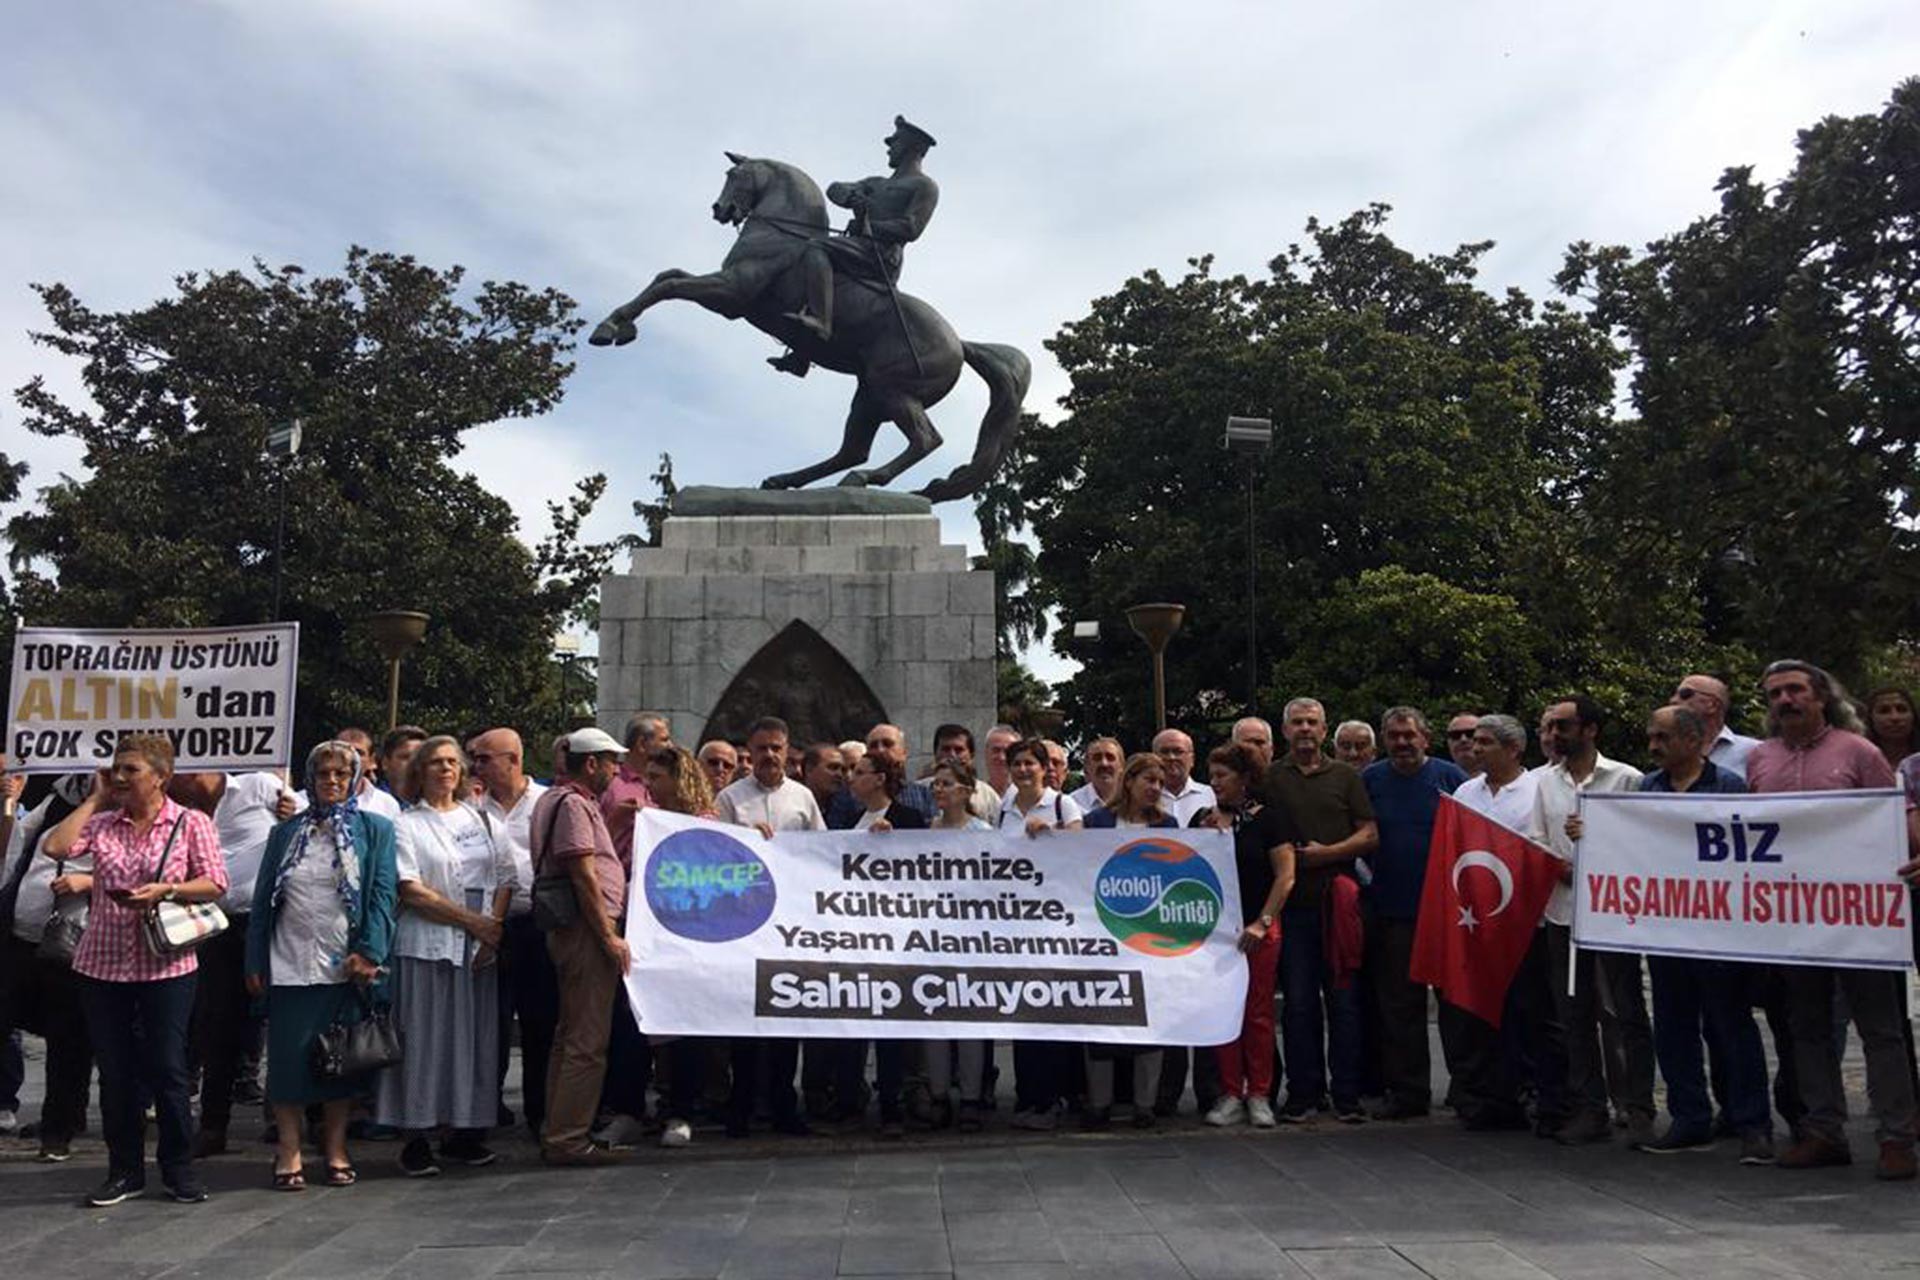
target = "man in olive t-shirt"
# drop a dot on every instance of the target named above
(1330, 808)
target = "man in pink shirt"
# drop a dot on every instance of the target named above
(590, 958)
(1814, 746)
(627, 794)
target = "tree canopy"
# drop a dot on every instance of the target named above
(386, 365)
(1456, 512)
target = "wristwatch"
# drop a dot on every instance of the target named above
(168, 895)
(1266, 922)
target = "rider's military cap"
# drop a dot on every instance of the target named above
(913, 131)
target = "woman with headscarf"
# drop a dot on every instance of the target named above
(457, 878)
(321, 926)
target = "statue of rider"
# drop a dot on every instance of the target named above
(888, 212)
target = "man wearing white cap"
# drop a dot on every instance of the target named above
(590, 958)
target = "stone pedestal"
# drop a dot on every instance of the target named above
(824, 620)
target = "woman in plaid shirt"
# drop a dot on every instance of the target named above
(146, 849)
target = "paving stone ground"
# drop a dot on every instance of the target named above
(1181, 1202)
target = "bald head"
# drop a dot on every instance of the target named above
(888, 742)
(1256, 735)
(1707, 698)
(499, 760)
(1175, 750)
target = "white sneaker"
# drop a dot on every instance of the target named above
(9, 1124)
(1230, 1111)
(621, 1131)
(1036, 1120)
(677, 1133)
(1260, 1111)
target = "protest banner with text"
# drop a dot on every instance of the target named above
(1798, 877)
(222, 696)
(1118, 936)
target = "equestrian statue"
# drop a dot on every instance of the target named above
(833, 299)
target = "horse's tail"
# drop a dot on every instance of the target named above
(1007, 373)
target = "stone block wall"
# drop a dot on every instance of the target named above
(904, 610)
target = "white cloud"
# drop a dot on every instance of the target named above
(579, 146)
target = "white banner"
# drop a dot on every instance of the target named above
(1116, 936)
(1801, 877)
(222, 696)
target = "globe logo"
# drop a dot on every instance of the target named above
(708, 887)
(1158, 897)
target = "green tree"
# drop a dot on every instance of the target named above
(1390, 637)
(1769, 481)
(1420, 422)
(387, 365)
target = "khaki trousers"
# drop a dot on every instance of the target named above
(588, 984)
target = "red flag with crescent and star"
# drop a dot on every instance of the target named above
(1486, 888)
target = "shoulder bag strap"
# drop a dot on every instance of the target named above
(167, 850)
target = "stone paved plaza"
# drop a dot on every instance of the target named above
(1180, 1203)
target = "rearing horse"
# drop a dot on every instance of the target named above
(903, 352)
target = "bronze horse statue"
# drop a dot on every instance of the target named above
(904, 354)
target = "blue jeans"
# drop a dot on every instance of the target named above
(1304, 983)
(139, 1032)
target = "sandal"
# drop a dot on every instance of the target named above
(340, 1175)
(292, 1180)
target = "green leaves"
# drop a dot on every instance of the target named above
(388, 365)
(1453, 512)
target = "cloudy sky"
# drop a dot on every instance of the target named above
(579, 146)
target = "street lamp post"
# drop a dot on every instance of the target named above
(1156, 623)
(566, 647)
(395, 632)
(283, 442)
(1251, 437)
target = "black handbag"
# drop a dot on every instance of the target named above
(60, 938)
(358, 1048)
(556, 905)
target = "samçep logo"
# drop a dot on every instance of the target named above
(1158, 897)
(708, 887)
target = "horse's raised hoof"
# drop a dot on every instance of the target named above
(613, 332)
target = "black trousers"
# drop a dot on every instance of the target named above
(1041, 1073)
(530, 992)
(223, 1027)
(44, 998)
(1607, 988)
(1491, 1063)
(1400, 1014)
(139, 1032)
(629, 1062)
(770, 1059)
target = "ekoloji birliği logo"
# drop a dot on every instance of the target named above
(708, 887)
(1158, 897)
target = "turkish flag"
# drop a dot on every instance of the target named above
(1486, 887)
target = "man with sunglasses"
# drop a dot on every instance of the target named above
(1707, 698)
(1608, 986)
(1460, 743)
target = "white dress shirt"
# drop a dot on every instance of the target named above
(1189, 800)
(787, 807)
(512, 825)
(1730, 750)
(245, 817)
(1557, 797)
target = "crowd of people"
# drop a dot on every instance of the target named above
(428, 885)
